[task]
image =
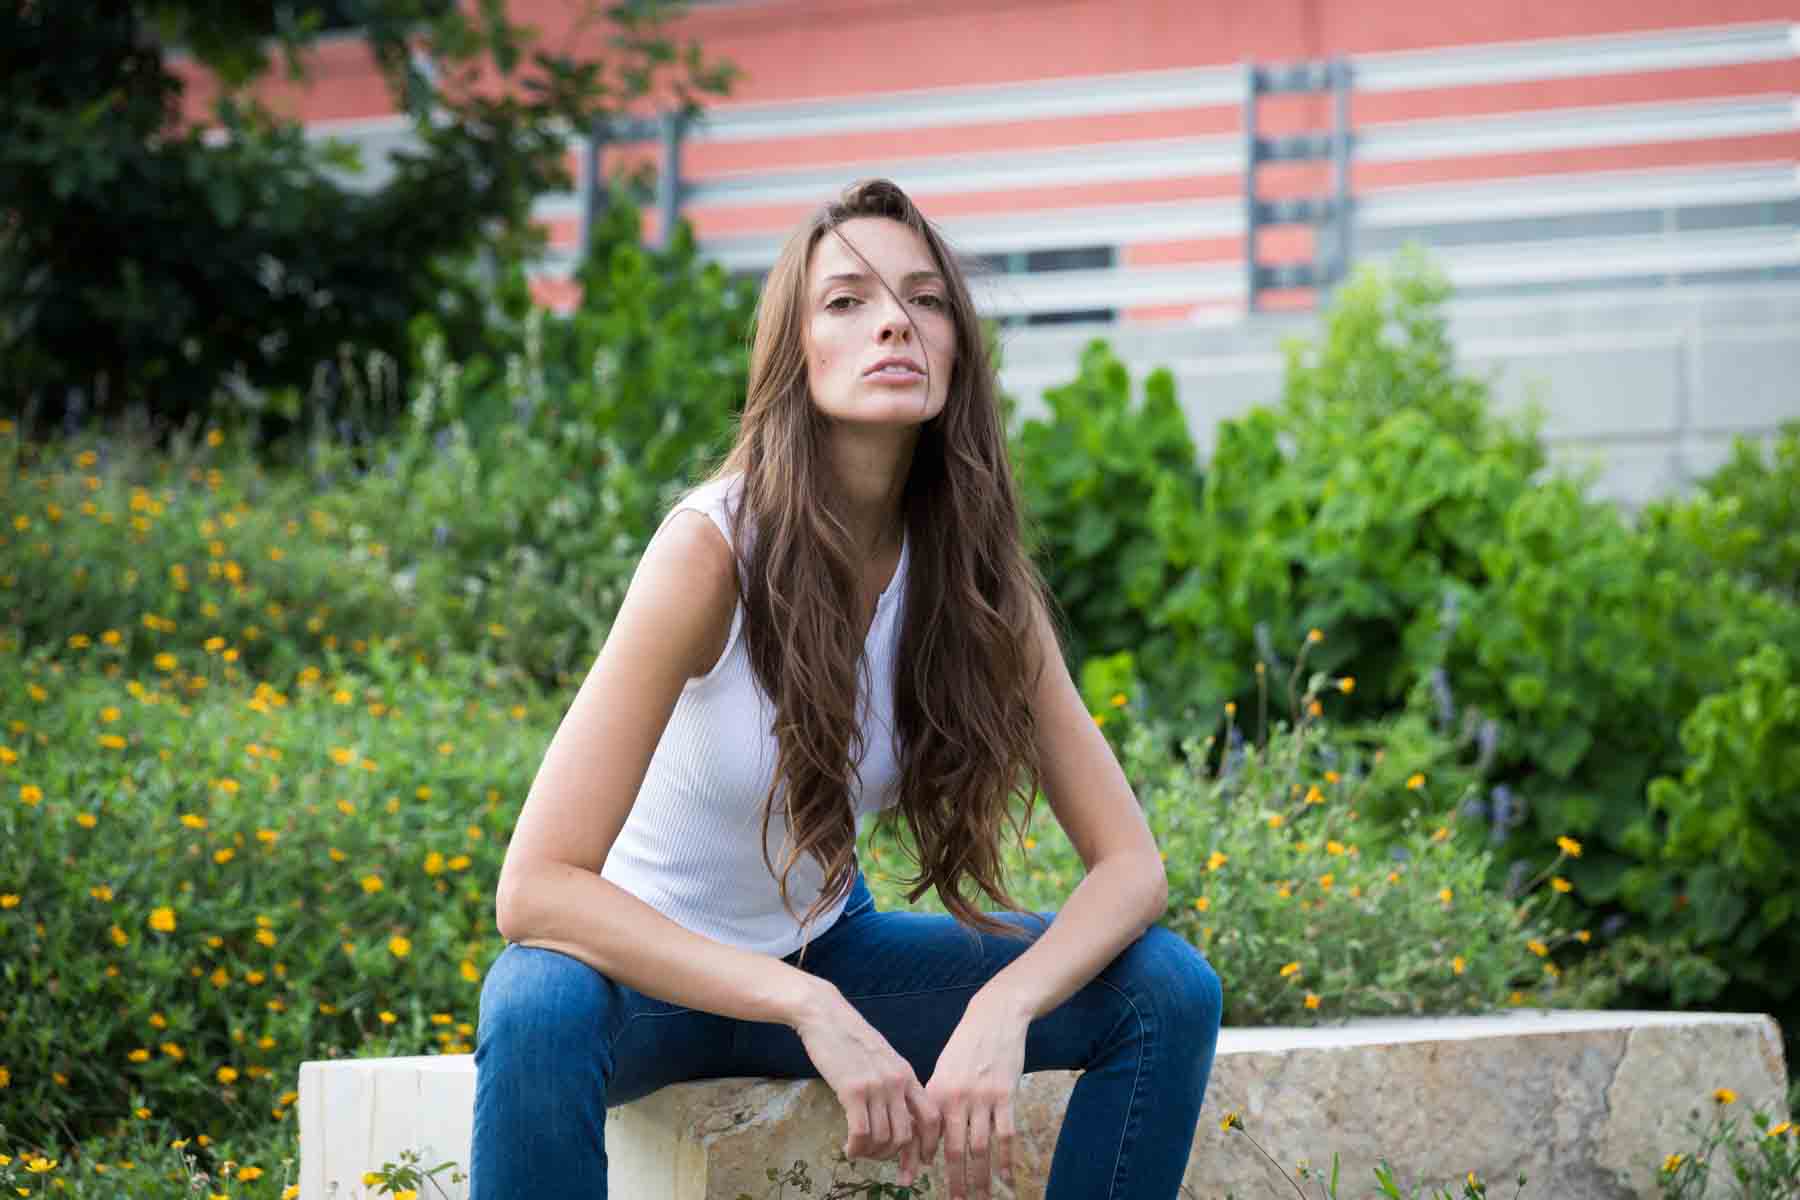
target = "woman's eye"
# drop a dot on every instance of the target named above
(930, 301)
(833, 303)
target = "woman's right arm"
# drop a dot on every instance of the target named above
(672, 626)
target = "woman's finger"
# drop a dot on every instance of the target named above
(1005, 1142)
(980, 1169)
(956, 1150)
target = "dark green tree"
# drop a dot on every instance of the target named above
(150, 265)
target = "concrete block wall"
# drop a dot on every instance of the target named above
(1652, 384)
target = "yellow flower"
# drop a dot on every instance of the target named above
(1231, 708)
(1312, 1000)
(265, 937)
(1315, 709)
(1347, 684)
(227, 1075)
(470, 972)
(37, 1164)
(9, 900)
(371, 1178)
(1284, 891)
(193, 820)
(1672, 1163)
(1446, 895)
(291, 1192)
(1119, 700)
(1315, 636)
(1583, 936)
(1334, 848)
(1326, 880)
(387, 1018)
(173, 1051)
(1725, 1096)
(1415, 781)
(434, 863)
(246, 1174)
(1201, 904)
(1441, 833)
(1290, 970)
(1215, 861)
(1275, 820)
(1569, 846)
(163, 919)
(142, 1114)
(399, 947)
(5, 1078)
(224, 855)
(30, 795)
(1230, 1121)
(1458, 965)
(371, 884)
(86, 820)
(1779, 1129)
(1314, 795)
(458, 862)
(1560, 884)
(1538, 948)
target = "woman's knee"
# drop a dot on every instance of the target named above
(537, 1002)
(1176, 979)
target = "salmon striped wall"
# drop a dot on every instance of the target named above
(818, 49)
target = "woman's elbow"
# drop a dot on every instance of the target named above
(512, 913)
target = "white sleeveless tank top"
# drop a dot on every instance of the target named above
(690, 847)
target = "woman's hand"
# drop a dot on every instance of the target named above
(973, 1087)
(887, 1108)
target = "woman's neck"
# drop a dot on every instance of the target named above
(871, 469)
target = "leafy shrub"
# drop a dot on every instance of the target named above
(1745, 516)
(1094, 478)
(507, 510)
(201, 886)
(1308, 909)
(1733, 825)
(1474, 590)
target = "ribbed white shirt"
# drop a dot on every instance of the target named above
(689, 847)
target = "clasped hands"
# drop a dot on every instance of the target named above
(968, 1102)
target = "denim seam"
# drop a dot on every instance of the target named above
(1131, 1107)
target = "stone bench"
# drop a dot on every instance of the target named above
(1585, 1104)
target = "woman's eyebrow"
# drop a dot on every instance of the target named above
(907, 280)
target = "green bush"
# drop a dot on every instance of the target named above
(1733, 825)
(204, 885)
(506, 512)
(1095, 478)
(1475, 591)
(1308, 908)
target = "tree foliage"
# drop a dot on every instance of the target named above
(144, 262)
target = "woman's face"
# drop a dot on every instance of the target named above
(852, 324)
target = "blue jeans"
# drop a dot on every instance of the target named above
(558, 1043)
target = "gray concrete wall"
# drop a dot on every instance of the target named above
(1651, 385)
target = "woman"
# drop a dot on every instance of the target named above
(840, 622)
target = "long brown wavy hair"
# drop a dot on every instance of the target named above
(968, 659)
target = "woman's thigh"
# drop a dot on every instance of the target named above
(544, 1014)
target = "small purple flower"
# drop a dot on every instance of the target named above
(440, 535)
(1440, 692)
(1487, 744)
(1614, 925)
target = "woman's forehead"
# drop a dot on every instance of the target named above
(894, 249)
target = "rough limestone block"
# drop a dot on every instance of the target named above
(1585, 1104)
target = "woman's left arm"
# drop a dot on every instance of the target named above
(1123, 893)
